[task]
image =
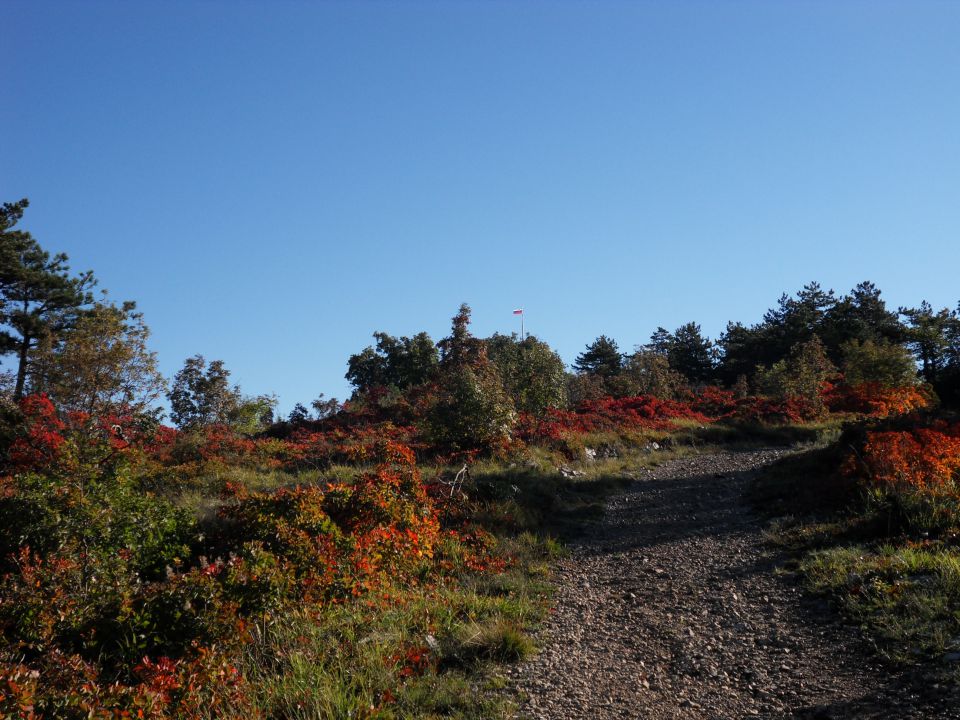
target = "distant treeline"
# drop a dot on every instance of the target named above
(91, 355)
(854, 338)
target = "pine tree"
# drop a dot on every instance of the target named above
(39, 298)
(602, 357)
(691, 354)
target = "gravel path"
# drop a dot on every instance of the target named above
(671, 608)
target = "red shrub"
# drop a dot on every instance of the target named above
(876, 400)
(346, 537)
(38, 446)
(204, 685)
(760, 409)
(643, 411)
(921, 459)
(345, 445)
(715, 402)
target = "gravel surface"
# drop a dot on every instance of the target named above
(671, 608)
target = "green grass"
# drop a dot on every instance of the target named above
(868, 558)
(745, 435)
(348, 660)
(532, 494)
(906, 599)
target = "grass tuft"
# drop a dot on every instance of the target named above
(901, 588)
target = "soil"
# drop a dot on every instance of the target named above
(674, 606)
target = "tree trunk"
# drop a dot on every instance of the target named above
(22, 368)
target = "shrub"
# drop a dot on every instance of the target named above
(472, 410)
(883, 363)
(873, 399)
(924, 459)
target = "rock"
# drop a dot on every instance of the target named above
(607, 451)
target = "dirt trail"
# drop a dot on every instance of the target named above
(671, 608)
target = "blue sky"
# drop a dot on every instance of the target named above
(272, 182)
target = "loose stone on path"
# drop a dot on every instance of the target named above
(670, 608)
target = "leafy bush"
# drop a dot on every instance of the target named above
(472, 410)
(874, 399)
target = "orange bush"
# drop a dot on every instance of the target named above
(876, 400)
(925, 459)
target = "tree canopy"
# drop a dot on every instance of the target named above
(602, 357)
(102, 363)
(532, 373)
(470, 409)
(39, 298)
(399, 362)
(201, 394)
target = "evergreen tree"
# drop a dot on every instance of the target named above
(298, 415)
(39, 298)
(948, 385)
(795, 321)
(863, 316)
(738, 348)
(471, 408)
(602, 358)
(660, 341)
(928, 335)
(461, 347)
(691, 354)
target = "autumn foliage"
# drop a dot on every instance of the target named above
(609, 414)
(115, 603)
(921, 459)
(875, 400)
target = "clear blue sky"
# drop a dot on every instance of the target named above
(272, 182)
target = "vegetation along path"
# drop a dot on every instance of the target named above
(672, 608)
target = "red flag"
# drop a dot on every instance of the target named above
(518, 312)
